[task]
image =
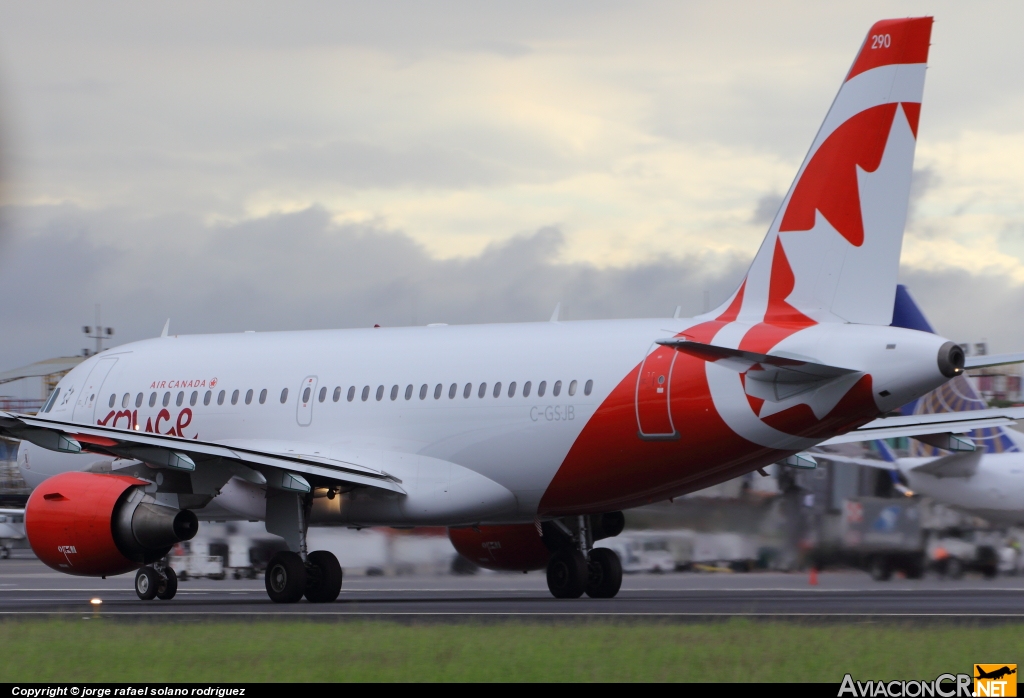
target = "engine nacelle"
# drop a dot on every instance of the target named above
(94, 525)
(522, 547)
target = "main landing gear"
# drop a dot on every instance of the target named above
(156, 583)
(288, 579)
(578, 567)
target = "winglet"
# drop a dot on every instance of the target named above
(167, 327)
(675, 315)
(554, 315)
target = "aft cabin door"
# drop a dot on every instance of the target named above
(653, 414)
(85, 407)
(307, 394)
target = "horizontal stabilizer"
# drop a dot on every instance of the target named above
(914, 425)
(949, 442)
(768, 377)
(986, 360)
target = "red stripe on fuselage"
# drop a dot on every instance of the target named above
(610, 467)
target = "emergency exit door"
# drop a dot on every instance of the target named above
(307, 393)
(653, 407)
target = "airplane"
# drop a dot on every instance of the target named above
(978, 471)
(12, 530)
(526, 440)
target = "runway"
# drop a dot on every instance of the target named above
(28, 588)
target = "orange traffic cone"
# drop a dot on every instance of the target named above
(813, 579)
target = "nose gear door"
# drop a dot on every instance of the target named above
(653, 414)
(307, 393)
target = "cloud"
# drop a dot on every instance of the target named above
(767, 206)
(303, 271)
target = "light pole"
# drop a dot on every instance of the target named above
(97, 332)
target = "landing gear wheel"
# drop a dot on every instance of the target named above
(605, 574)
(5, 552)
(146, 583)
(567, 574)
(286, 577)
(168, 586)
(323, 577)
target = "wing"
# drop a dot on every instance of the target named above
(265, 462)
(930, 424)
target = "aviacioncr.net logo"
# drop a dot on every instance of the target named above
(944, 686)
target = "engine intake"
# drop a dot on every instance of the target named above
(91, 524)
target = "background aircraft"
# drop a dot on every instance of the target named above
(980, 471)
(526, 440)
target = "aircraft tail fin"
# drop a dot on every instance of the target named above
(832, 252)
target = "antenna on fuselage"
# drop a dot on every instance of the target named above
(167, 326)
(554, 315)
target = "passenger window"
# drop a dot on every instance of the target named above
(497, 389)
(167, 399)
(337, 394)
(467, 390)
(556, 388)
(408, 392)
(437, 391)
(284, 396)
(138, 400)
(588, 387)
(207, 397)
(366, 392)
(380, 393)
(180, 399)
(263, 396)
(124, 400)
(194, 399)
(220, 398)
(248, 396)
(112, 399)
(152, 399)
(305, 396)
(526, 389)
(394, 392)
(323, 394)
(234, 398)
(541, 388)
(482, 391)
(352, 393)
(452, 390)
(572, 388)
(423, 392)
(512, 389)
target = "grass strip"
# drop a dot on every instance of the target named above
(735, 650)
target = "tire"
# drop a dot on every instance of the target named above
(990, 571)
(567, 574)
(168, 586)
(605, 574)
(146, 583)
(286, 577)
(5, 553)
(954, 568)
(323, 577)
(881, 570)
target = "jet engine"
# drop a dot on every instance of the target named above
(523, 547)
(91, 524)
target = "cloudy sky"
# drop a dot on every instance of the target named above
(295, 165)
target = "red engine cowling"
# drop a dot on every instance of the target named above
(92, 524)
(516, 547)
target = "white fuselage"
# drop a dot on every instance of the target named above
(995, 490)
